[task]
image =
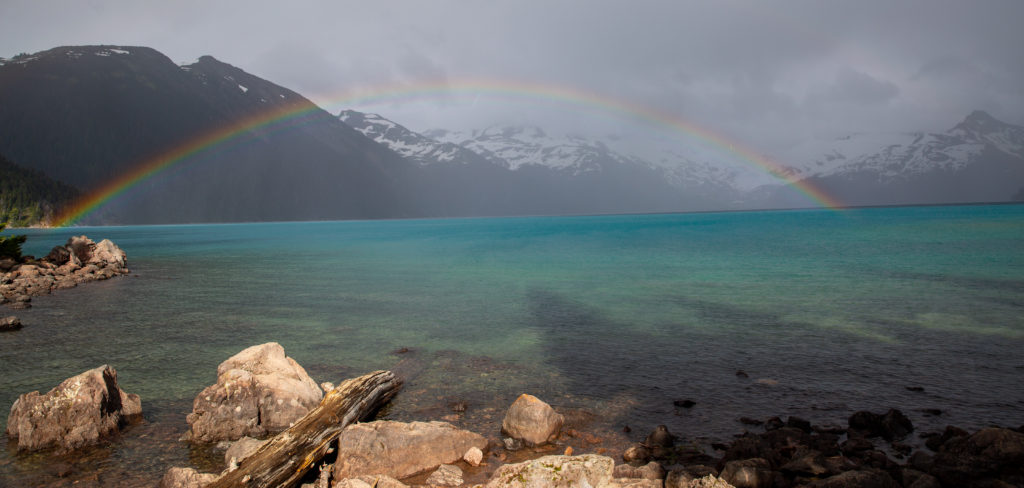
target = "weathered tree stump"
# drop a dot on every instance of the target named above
(286, 457)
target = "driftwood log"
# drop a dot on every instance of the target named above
(286, 457)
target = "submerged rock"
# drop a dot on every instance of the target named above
(186, 478)
(400, 449)
(9, 324)
(377, 481)
(445, 475)
(77, 413)
(241, 449)
(531, 420)
(258, 391)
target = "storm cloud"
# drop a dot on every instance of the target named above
(768, 74)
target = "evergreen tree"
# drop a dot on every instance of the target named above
(10, 246)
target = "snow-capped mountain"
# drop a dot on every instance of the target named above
(902, 155)
(527, 147)
(528, 166)
(515, 147)
(979, 159)
(411, 145)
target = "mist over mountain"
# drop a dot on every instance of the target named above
(89, 115)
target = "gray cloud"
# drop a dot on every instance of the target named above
(765, 73)
(858, 88)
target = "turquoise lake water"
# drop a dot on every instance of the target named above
(609, 317)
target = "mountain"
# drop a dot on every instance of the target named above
(525, 170)
(87, 115)
(28, 197)
(981, 159)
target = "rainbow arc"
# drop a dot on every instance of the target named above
(285, 115)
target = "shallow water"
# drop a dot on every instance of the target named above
(610, 318)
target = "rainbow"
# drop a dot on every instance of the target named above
(291, 113)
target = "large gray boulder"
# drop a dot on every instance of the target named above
(531, 420)
(556, 472)
(259, 391)
(399, 449)
(78, 412)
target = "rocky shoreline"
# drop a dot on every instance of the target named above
(261, 392)
(78, 261)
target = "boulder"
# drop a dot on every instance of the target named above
(637, 454)
(58, 255)
(749, 446)
(531, 420)
(78, 412)
(709, 481)
(186, 478)
(474, 456)
(660, 437)
(935, 441)
(258, 391)
(377, 481)
(106, 254)
(989, 453)
(9, 324)
(693, 476)
(807, 463)
(748, 473)
(241, 449)
(81, 247)
(856, 479)
(400, 449)
(445, 475)
(650, 471)
(555, 472)
(893, 425)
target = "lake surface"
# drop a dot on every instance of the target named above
(608, 318)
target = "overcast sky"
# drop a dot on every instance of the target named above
(764, 73)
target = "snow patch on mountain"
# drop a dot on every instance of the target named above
(518, 147)
(415, 147)
(904, 155)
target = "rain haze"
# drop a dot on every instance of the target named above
(766, 75)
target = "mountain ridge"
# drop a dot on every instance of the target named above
(120, 106)
(84, 115)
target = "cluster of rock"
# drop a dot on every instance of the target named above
(796, 454)
(79, 261)
(260, 391)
